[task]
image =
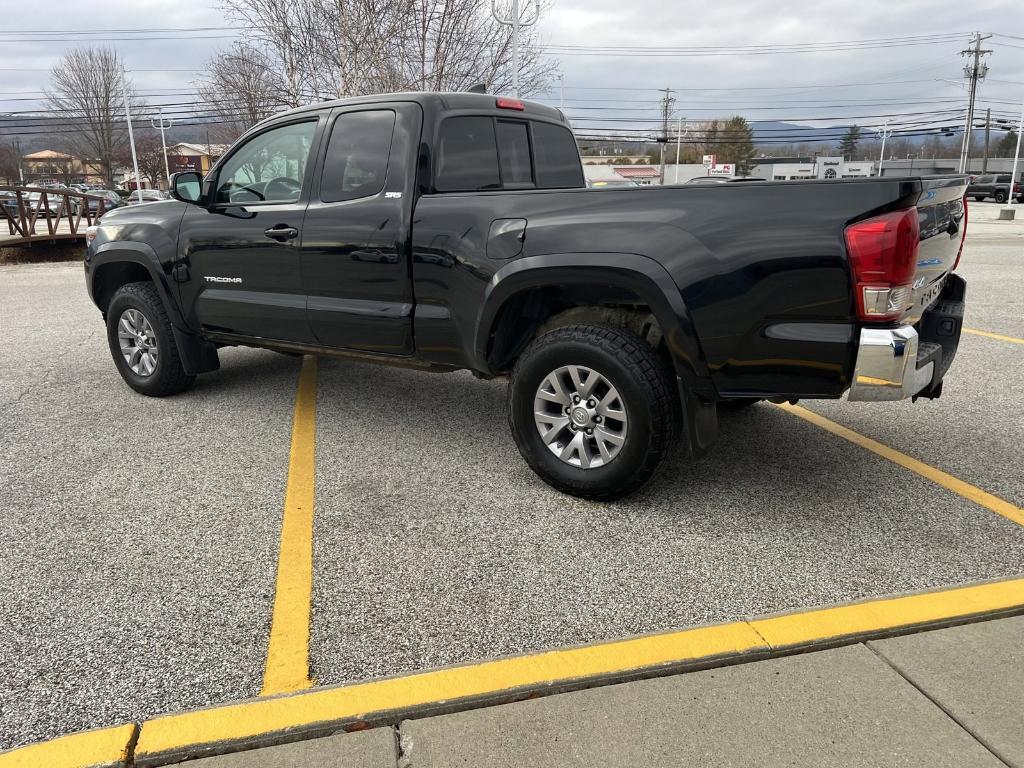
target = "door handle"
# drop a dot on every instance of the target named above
(281, 232)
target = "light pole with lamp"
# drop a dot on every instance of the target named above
(1008, 213)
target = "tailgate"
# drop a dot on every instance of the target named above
(941, 215)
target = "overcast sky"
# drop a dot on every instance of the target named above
(787, 86)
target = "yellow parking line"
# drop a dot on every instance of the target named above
(946, 480)
(254, 722)
(100, 747)
(998, 336)
(287, 666)
(259, 722)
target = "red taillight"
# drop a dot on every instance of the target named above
(963, 236)
(504, 103)
(883, 258)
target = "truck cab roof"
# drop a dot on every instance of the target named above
(437, 102)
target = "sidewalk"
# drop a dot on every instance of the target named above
(948, 697)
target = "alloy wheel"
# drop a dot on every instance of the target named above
(580, 416)
(138, 342)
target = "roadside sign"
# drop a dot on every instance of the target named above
(724, 169)
(709, 160)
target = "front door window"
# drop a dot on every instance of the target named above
(269, 168)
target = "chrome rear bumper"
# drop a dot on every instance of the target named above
(886, 366)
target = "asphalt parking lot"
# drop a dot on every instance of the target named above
(140, 537)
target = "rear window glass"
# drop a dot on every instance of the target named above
(514, 152)
(558, 159)
(467, 155)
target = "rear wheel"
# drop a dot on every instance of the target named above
(980, 198)
(142, 343)
(1000, 196)
(593, 410)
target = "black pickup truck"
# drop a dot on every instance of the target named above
(455, 231)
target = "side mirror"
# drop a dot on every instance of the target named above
(186, 186)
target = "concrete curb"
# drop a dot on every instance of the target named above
(291, 717)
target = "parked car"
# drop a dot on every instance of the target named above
(110, 199)
(9, 202)
(54, 202)
(996, 186)
(455, 231)
(148, 196)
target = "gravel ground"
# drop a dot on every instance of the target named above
(140, 536)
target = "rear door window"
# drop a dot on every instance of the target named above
(467, 155)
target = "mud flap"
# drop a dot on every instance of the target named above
(197, 354)
(700, 422)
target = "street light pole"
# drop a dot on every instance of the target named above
(679, 141)
(163, 142)
(131, 133)
(516, 22)
(884, 133)
(1008, 212)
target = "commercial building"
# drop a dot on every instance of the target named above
(789, 168)
(185, 156)
(644, 175)
(912, 166)
(52, 167)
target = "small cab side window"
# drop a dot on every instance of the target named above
(514, 154)
(557, 157)
(356, 163)
(269, 168)
(467, 155)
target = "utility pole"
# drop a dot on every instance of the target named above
(561, 92)
(975, 71)
(988, 128)
(516, 22)
(131, 133)
(21, 168)
(666, 108)
(163, 142)
(885, 132)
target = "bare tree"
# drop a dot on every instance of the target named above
(242, 86)
(454, 44)
(87, 88)
(149, 152)
(10, 164)
(335, 48)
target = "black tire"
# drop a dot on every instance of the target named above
(168, 377)
(737, 404)
(646, 388)
(980, 198)
(1000, 196)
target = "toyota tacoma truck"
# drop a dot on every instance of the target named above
(453, 231)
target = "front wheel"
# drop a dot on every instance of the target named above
(593, 410)
(142, 343)
(1000, 196)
